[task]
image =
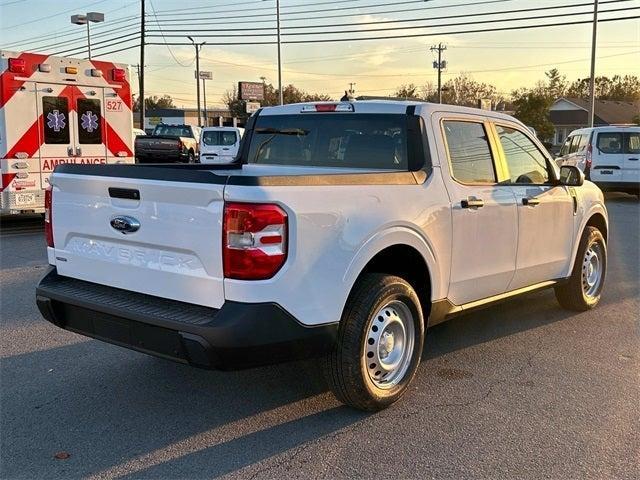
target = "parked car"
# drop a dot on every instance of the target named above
(220, 144)
(608, 156)
(344, 231)
(168, 143)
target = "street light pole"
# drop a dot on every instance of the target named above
(280, 92)
(592, 79)
(279, 54)
(87, 19)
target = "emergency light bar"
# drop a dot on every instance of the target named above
(328, 107)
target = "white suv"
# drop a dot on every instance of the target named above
(608, 156)
(344, 231)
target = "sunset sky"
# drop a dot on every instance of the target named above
(507, 59)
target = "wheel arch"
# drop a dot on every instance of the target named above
(403, 252)
(597, 217)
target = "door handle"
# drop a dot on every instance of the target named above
(78, 151)
(472, 203)
(70, 151)
(532, 201)
(633, 159)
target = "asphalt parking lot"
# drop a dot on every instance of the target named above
(523, 389)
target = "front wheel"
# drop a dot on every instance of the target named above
(379, 343)
(583, 289)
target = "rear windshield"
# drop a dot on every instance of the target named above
(331, 140)
(172, 131)
(219, 137)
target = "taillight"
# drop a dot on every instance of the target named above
(48, 217)
(118, 75)
(328, 107)
(17, 65)
(254, 245)
(589, 156)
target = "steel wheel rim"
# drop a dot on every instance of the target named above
(592, 268)
(389, 344)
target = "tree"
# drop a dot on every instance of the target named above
(556, 83)
(408, 91)
(290, 93)
(625, 89)
(153, 102)
(464, 90)
(532, 109)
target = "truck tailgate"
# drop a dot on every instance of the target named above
(176, 253)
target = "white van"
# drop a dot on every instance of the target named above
(220, 144)
(608, 156)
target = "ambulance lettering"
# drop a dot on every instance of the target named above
(50, 163)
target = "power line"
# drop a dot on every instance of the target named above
(324, 40)
(168, 47)
(424, 19)
(81, 42)
(81, 37)
(95, 46)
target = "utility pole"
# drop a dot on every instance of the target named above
(351, 89)
(198, 46)
(141, 67)
(440, 65)
(592, 79)
(204, 101)
(281, 94)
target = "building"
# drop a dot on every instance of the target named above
(568, 114)
(184, 116)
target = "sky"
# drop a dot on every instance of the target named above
(507, 59)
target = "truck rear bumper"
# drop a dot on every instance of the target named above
(238, 335)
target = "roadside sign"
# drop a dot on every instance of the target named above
(252, 107)
(203, 75)
(250, 91)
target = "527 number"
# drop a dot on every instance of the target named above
(114, 105)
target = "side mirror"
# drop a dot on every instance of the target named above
(571, 176)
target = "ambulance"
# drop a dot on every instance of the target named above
(57, 110)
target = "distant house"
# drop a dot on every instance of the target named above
(567, 114)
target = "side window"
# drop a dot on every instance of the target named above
(469, 152)
(632, 143)
(55, 111)
(584, 141)
(565, 146)
(89, 121)
(526, 163)
(575, 141)
(610, 142)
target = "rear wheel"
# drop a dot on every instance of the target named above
(583, 289)
(379, 343)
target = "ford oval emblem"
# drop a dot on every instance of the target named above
(125, 224)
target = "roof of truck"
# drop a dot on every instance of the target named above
(387, 106)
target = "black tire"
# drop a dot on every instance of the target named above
(347, 367)
(571, 294)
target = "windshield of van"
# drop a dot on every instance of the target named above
(331, 140)
(223, 138)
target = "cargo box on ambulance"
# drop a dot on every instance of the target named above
(58, 110)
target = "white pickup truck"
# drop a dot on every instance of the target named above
(343, 232)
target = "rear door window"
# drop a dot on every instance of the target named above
(469, 152)
(377, 141)
(610, 142)
(219, 138)
(632, 143)
(55, 111)
(575, 141)
(89, 121)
